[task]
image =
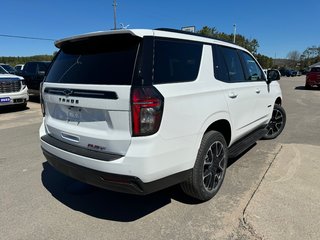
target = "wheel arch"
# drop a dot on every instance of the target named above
(278, 101)
(223, 126)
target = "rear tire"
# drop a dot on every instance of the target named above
(210, 167)
(308, 87)
(277, 123)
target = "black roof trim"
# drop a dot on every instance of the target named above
(191, 33)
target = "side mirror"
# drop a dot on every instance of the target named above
(273, 75)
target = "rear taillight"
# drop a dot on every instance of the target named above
(41, 100)
(147, 107)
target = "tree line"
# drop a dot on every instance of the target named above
(22, 60)
(308, 57)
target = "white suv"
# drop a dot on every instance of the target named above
(140, 110)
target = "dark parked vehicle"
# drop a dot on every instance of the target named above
(33, 73)
(288, 72)
(291, 73)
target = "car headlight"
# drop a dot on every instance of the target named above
(23, 83)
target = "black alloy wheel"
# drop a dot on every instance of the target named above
(276, 123)
(210, 168)
(214, 166)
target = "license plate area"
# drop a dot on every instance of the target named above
(5, 100)
(74, 114)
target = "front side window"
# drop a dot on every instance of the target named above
(254, 73)
(176, 61)
(106, 60)
(233, 63)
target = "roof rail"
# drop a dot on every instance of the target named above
(191, 33)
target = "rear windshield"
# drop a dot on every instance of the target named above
(105, 60)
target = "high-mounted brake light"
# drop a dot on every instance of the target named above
(147, 107)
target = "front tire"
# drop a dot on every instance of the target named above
(23, 105)
(210, 167)
(276, 123)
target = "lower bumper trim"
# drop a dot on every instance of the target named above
(113, 182)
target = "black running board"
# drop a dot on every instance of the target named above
(246, 142)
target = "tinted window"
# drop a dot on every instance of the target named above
(98, 60)
(176, 61)
(3, 71)
(253, 71)
(233, 64)
(315, 69)
(8, 68)
(30, 68)
(43, 67)
(220, 68)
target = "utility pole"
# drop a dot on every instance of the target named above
(234, 32)
(115, 14)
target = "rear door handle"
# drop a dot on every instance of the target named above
(258, 90)
(232, 95)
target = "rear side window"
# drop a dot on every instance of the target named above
(106, 60)
(233, 63)
(176, 61)
(220, 68)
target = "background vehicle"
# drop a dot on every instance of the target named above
(19, 67)
(13, 90)
(33, 73)
(140, 110)
(288, 72)
(313, 78)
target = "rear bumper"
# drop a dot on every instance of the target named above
(313, 81)
(110, 181)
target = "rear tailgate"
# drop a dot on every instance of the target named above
(98, 120)
(87, 92)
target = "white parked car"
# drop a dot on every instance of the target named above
(140, 110)
(19, 67)
(13, 90)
